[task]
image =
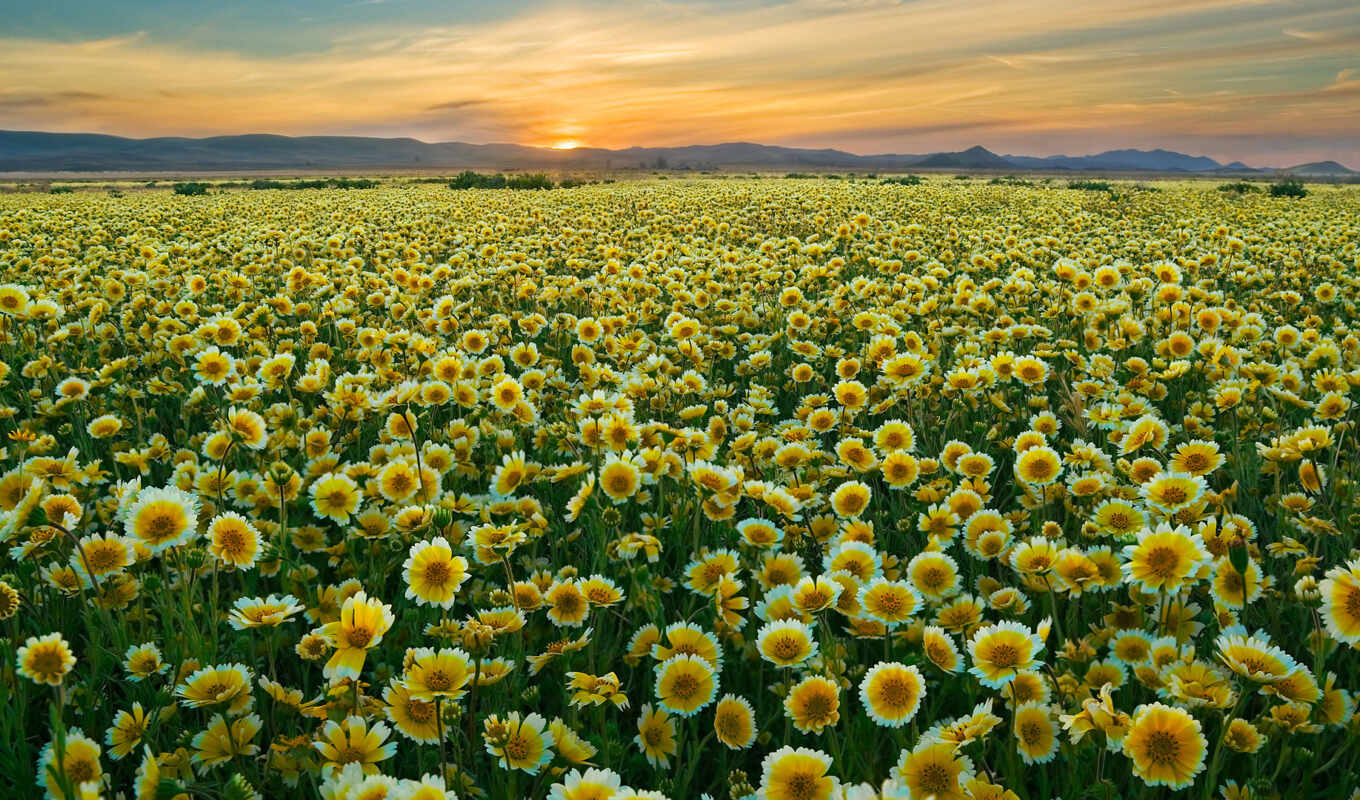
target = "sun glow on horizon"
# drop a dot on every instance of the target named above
(1041, 79)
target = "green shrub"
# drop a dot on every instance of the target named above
(1289, 187)
(190, 188)
(1240, 187)
(1093, 186)
(475, 180)
(535, 180)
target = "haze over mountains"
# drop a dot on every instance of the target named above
(33, 151)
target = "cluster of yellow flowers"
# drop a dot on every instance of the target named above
(778, 488)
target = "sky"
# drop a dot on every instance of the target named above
(1268, 83)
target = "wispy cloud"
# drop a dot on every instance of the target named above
(881, 76)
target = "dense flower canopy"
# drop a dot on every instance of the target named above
(782, 488)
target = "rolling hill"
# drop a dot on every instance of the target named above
(34, 151)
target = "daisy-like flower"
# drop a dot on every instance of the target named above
(1197, 458)
(760, 533)
(1165, 745)
(656, 736)
(226, 685)
(224, 740)
(1119, 518)
(161, 518)
(398, 481)
(413, 717)
(212, 367)
(432, 674)
(934, 769)
(433, 573)
(142, 661)
(1169, 492)
(518, 743)
(1341, 602)
(685, 684)
(797, 774)
(263, 612)
(1036, 733)
(940, 648)
(593, 784)
(363, 622)
(335, 496)
(1165, 559)
(354, 741)
(567, 604)
(1001, 650)
(1038, 466)
(77, 763)
(127, 731)
(45, 659)
(233, 540)
(786, 643)
(734, 722)
(620, 477)
(813, 703)
(248, 428)
(98, 557)
(892, 603)
(429, 787)
(812, 595)
(850, 499)
(933, 574)
(891, 693)
(594, 690)
(1254, 657)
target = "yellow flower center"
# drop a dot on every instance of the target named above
(800, 786)
(46, 661)
(684, 687)
(936, 779)
(1005, 655)
(517, 749)
(895, 691)
(437, 572)
(359, 636)
(1162, 747)
(1162, 561)
(420, 711)
(1173, 495)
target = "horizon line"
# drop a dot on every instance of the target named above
(588, 147)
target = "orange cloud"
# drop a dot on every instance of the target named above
(808, 72)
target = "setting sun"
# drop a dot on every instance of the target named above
(569, 144)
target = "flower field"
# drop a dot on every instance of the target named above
(790, 489)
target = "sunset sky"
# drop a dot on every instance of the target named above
(1269, 83)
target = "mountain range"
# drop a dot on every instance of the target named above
(35, 151)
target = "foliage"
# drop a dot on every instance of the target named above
(1289, 187)
(1240, 187)
(1091, 185)
(725, 486)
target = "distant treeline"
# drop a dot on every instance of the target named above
(535, 180)
(198, 188)
(322, 183)
(1289, 187)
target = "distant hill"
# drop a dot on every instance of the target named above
(1320, 168)
(1148, 160)
(31, 151)
(973, 158)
